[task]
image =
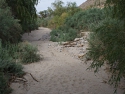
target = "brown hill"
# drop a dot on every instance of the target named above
(92, 3)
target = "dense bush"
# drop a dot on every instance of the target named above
(57, 21)
(12, 54)
(8, 67)
(4, 88)
(25, 12)
(58, 13)
(9, 27)
(10, 57)
(43, 21)
(106, 44)
(63, 34)
(82, 20)
(28, 53)
(22, 52)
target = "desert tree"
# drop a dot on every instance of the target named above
(25, 11)
(106, 43)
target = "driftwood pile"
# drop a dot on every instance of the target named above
(78, 42)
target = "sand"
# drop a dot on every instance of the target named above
(60, 71)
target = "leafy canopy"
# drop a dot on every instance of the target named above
(107, 44)
(25, 11)
(118, 8)
(71, 27)
(10, 28)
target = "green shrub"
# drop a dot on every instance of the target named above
(8, 67)
(28, 53)
(43, 21)
(107, 43)
(11, 55)
(57, 21)
(60, 12)
(4, 88)
(22, 52)
(7, 62)
(32, 26)
(25, 12)
(83, 19)
(10, 29)
(63, 34)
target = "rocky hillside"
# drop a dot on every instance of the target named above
(92, 3)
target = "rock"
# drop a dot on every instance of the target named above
(81, 52)
(82, 41)
(73, 43)
(78, 42)
(81, 55)
(80, 45)
(68, 46)
(65, 43)
(82, 34)
(76, 39)
(86, 41)
(81, 38)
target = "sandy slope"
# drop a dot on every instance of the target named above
(60, 71)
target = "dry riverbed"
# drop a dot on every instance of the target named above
(60, 71)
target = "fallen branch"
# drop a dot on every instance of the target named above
(33, 77)
(20, 79)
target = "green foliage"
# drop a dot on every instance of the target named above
(118, 8)
(58, 8)
(10, 29)
(43, 14)
(25, 11)
(57, 21)
(107, 43)
(4, 88)
(8, 67)
(43, 21)
(22, 52)
(28, 53)
(58, 13)
(82, 20)
(72, 8)
(63, 34)
(7, 62)
(10, 57)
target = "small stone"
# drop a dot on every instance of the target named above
(86, 41)
(65, 43)
(82, 41)
(81, 56)
(80, 45)
(81, 38)
(74, 43)
(82, 34)
(76, 39)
